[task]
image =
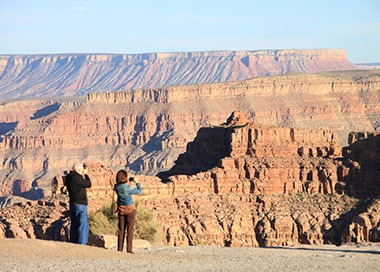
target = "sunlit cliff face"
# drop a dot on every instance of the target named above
(146, 130)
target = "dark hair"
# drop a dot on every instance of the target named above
(121, 176)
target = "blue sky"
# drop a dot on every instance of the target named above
(123, 26)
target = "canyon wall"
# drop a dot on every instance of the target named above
(276, 177)
(80, 74)
(145, 130)
(242, 184)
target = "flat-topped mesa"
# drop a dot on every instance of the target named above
(54, 75)
(312, 54)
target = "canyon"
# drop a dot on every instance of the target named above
(233, 148)
(241, 184)
(144, 131)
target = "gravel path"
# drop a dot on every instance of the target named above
(40, 255)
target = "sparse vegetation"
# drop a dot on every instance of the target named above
(146, 226)
(105, 222)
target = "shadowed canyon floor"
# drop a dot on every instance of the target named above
(38, 255)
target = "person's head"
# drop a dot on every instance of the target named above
(121, 176)
(78, 167)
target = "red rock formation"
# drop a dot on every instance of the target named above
(211, 219)
(257, 194)
(42, 219)
(269, 160)
(145, 130)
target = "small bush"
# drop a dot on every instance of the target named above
(103, 221)
(106, 222)
(146, 226)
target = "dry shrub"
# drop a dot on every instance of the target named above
(103, 221)
(106, 222)
(146, 226)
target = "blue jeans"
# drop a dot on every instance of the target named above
(79, 224)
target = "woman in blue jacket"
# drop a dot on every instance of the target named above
(126, 208)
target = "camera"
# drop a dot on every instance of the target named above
(131, 179)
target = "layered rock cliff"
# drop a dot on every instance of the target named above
(243, 184)
(145, 130)
(79, 74)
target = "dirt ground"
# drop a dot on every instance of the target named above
(40, 255)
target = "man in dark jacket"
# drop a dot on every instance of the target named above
(76, 182)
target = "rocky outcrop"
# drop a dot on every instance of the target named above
(79, 74)
(266, 160)
(191, 216)
(241, 184)
(42, 219)
(267, 186)
(222, 220)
